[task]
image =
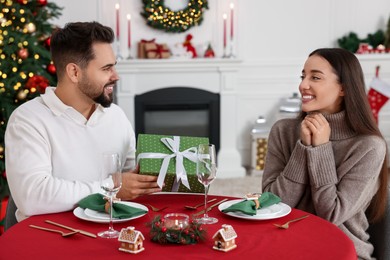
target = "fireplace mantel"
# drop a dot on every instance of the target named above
(214, 75)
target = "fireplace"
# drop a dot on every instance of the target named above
(182, 111)
(211, 86)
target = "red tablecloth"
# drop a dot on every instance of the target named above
(311, 238)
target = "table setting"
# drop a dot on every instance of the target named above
(182, 220)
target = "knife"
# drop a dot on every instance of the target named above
(73, 229)
(210, 208)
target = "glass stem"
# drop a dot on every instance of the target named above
(206, 190)
(111, 227)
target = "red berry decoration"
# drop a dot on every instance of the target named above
(37, 82)
(164, 229)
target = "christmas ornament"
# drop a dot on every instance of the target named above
(23, 53)
(30, 27)
(189, 47)
(378, 94)
(161, 17)
(42, 2)
(209, 53)
(51, 68)
(162, 234)
(47, 42)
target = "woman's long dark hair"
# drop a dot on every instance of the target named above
(358, 113)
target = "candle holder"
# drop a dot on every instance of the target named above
(129, 57)
(176, 221)
(225, 55)
(231, 54)
(118, 51)
(177, 229)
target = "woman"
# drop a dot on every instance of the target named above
(332, 160)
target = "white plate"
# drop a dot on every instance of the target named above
(275, 211)
(98, 217)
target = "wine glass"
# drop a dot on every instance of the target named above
(206, 170)
(110, 183)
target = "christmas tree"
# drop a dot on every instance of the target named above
(26, 68)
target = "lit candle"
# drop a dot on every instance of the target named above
(117, 21)
(176, 220)
(224, 30)
(128, 30)
(231, 20)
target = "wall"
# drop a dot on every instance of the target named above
(273, 39)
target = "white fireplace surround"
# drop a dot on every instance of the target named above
(216, 76)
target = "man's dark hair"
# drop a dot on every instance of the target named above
(73, 43)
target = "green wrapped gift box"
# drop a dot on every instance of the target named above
(165, 156)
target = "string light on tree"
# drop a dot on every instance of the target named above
(30, 27)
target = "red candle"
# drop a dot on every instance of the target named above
(231, 20)
(117, 21)
(128, 30)
(224, 30)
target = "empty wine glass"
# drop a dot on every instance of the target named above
(110, 183)
(206, 170)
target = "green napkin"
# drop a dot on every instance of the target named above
(96, 202)
(249, 206)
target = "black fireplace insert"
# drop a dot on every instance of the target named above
(180, 111)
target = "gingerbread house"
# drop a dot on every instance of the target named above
(225, 238)
(131, 240)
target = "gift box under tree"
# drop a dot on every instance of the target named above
(172, 158)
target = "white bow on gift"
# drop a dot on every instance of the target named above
(174, 146)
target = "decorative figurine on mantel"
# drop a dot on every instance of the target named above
(209, 53)
(225, 238)
(189, 47)
(131, 240)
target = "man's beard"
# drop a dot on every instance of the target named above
(104, 100)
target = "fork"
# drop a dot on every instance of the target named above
(286, 225)
(198, 205)
(64, 234)
(155, 209)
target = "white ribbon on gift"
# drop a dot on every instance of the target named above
(174, 146)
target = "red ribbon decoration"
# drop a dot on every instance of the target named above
(159, 51)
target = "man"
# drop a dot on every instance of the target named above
(55, 142)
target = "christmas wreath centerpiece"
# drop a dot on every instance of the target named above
(161, 17)
(163, 234)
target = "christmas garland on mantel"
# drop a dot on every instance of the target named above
(161, 17)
